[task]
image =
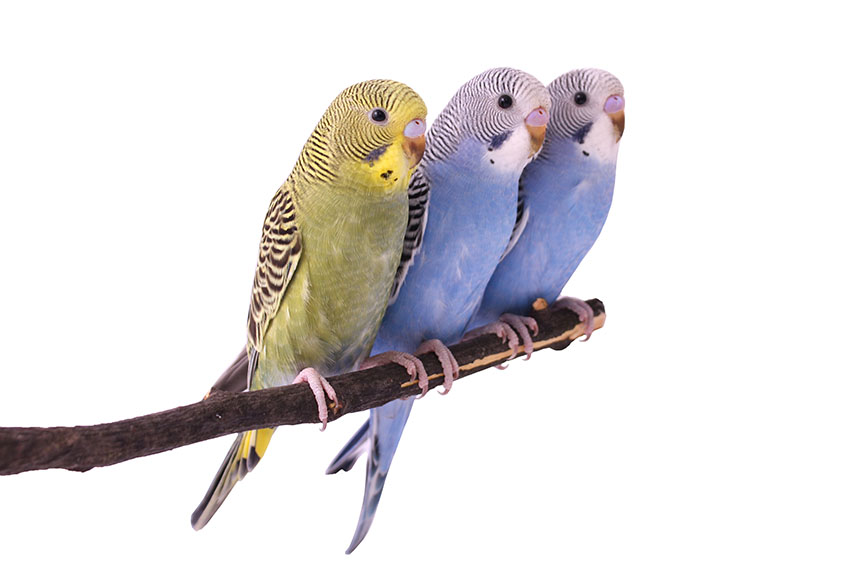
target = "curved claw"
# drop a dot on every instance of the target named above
(413, 366)
(451, 369)
(580, 308)
(320, 387)
(523, 325)
(501, 330)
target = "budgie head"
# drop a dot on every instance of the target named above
(497, 121)
(588, 109)
(371, 137)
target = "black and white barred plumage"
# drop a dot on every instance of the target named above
(570, 119)
(417, 193)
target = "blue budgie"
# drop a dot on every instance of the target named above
(564, 198)
(466, 190)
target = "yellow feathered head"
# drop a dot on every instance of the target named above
(371, 136)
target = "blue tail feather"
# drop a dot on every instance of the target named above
(349, 454)
(385, 427)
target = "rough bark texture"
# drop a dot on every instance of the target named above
(84, 447)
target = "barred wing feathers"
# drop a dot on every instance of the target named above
(280, 250)
(417, 216)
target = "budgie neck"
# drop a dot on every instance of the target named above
(316, 163)
(465, 184)
(560, 184)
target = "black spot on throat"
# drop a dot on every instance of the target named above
(387, 173)
(585, 153)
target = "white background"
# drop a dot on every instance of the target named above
(706, 424)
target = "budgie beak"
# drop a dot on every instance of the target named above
(615, 108)
(414, 141)
(536, 123)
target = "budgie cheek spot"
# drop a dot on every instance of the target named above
(508, 152)
(600, 141)
(582, 133)
(375, 155)
(498, 140)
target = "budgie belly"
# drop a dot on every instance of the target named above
(468, 228)
(567, 211)
(334, 304)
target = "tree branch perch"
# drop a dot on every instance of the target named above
(84, 447)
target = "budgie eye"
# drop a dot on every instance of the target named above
(378, 116)
(580, 98)
(505, 101)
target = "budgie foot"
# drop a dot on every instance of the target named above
(451, 369)
(510, 328)
(320, 387)
(501, 330)
(525, 327)
(581, 308)
(413, 365)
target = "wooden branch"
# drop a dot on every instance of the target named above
(84, 447)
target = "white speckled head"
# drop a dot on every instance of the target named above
(499, 116)
(588, 107)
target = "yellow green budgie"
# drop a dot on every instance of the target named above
(330, 247)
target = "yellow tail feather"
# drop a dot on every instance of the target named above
(243, 456)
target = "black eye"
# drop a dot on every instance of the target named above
(580, 98)
(378, 116)
(505, 101)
